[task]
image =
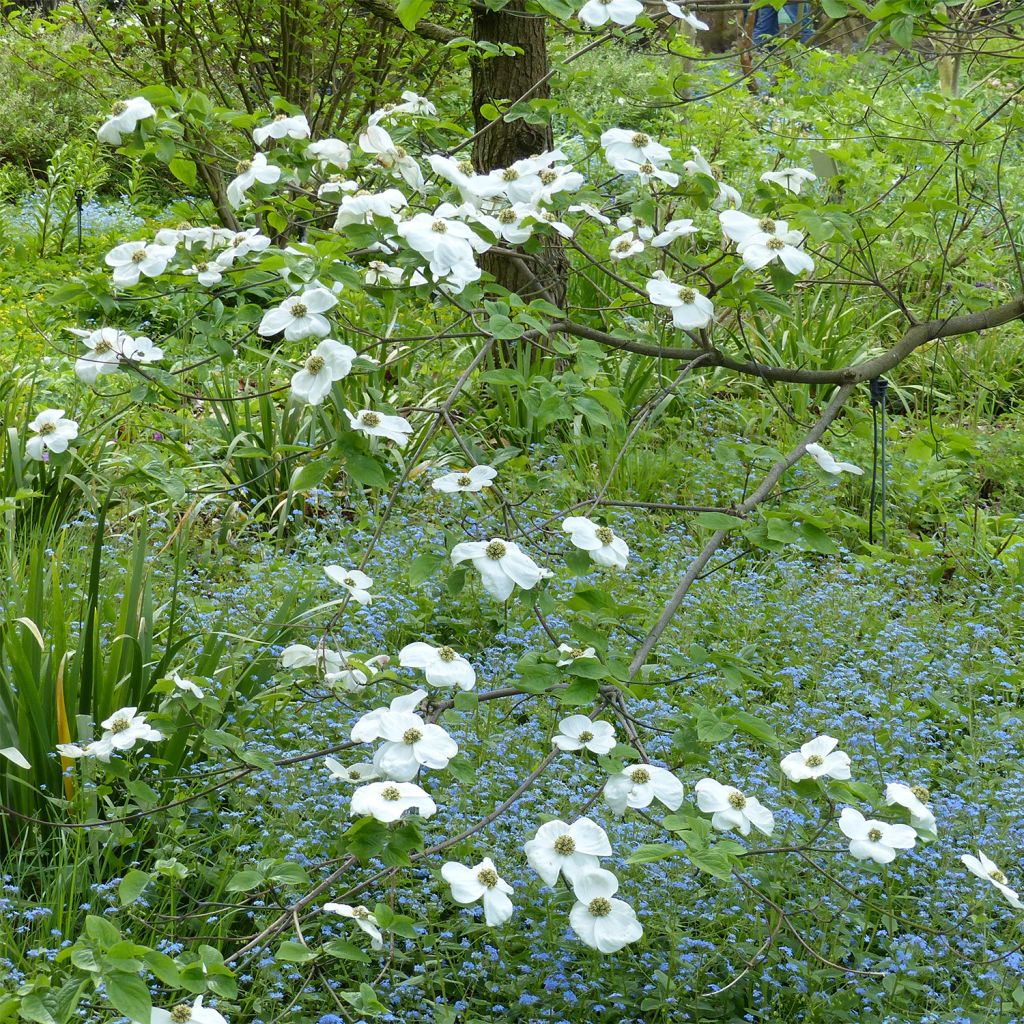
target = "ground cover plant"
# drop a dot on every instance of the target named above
(559, 564)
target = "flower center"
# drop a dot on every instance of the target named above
(576, 652)
(488, 877)
(814, 761)
(495, 550)
(439, 226)
(314, 364)
(401, 152)
(766, 224)
(640, 140)
(348, 581)
(547, 176)
(640, 776)
(243, 165)
(466, 166)
(281, 117)
(360, 913)
(509, 174)
(605, 535)
(239, 239)
(103, 346)
(737, 800)
(391, 793)
(624, 245)
(874, 835)
(507, 216)
(119, 107)
(599, 907)
(181, 1014)
(299, 309)
(464, 480)
(775, 244)
(411, 736)
(446, 654)
(921, 793)
(646, 168)
(687, 295)
(119, 724)
(370, 419)
(565, 845)
(138, 256)
(586, 736)
(997, 876)
(202, 267)
(47, 428)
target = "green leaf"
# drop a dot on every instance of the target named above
(294, 953)
(711, 728)
(650, 852)
(902, 30)
(835, 8)
(132, 885)
(423, 567)
(715, 861)
(32, 1007)
(753, 726)
(719, 521)
(411, 11)
(582, 691)
(344, 950)
(310, 475)
(101, 931)
(129, 994)
(587, 668)
(243, 881)
(183, 170)
(365, 470)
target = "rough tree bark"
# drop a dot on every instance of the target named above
(500, 143)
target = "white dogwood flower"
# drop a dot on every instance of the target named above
(109, 350)
(598, 12)
(131, 260)
(730, 808)
(388, 801)
(356, 582)
(328, 362)
(829, 463)
(361, 208)
(672, 230)
(123, 729)
(379, 424)
(645, 170)
(283, 126)
(376, 142)
(691, 311)
(365, 920)
(501, 564)
(330, 152)
(601, 921)
(249, 173)
(300, 316)
(639, 147)
(572, 653)
(53, 433)
(874, 840)
(185, 1014)
(441, 666)
(578, 732)
(480, 882)
(638, 785)
(684, 15)
(625, 245)
(410, 744)
(986, 869)
(572, 850)
(915, 800)
(123, 119)
(368, 728)
(474, 479)
(185, 685)
(357, 773)
(727, 195)
(598, 541)
(790, 178)
(761, 249)
(816, 759)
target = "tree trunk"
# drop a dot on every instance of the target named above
(498, 79)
